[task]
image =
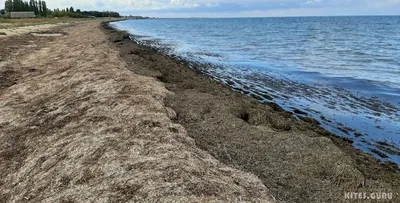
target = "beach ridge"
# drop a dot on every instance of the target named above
(78, 126)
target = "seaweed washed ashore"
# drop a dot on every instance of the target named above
(296, 159)
(77, 126)
(319, 65)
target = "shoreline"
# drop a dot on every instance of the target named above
(342, 106)
(344, 111)
(218, 117)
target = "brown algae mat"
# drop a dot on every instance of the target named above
(297, 160)
(77, 126)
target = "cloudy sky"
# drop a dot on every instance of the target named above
(234, 8)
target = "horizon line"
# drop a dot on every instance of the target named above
(372, 15)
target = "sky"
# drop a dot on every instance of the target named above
(234, 8)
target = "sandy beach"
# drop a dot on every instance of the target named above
(78, 126)
(86, 115)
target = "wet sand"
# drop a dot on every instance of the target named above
(296, 159)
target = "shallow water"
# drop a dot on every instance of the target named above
(342, 71)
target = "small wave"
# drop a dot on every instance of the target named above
(360, 53)
(207, 54)
(385, 59)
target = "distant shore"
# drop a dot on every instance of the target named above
(259, 138)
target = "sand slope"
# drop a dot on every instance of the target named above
(77, 126)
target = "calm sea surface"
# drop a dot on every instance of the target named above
(342, 71)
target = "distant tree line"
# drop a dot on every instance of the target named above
(70, 12)
(40, 9)
(101, 14)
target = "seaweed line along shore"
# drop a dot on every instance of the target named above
(297, 160)
(89, 115)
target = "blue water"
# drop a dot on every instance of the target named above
(342, 71)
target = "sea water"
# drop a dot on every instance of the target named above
(342, 71)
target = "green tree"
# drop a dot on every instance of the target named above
(8, 5)
(35, 8)
(31, 5)
(17, 5)
(14, 5)
(20, 4)
(44, 8)
(71, 9)
(26, 6)
(40, 8)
